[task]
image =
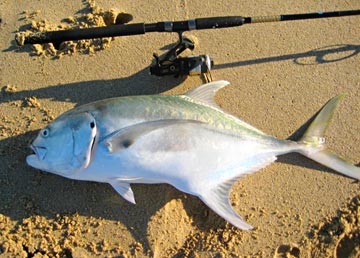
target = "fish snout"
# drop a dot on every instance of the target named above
(39, 151)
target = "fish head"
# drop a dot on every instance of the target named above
(65, 146)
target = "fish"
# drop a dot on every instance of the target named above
(186, 141)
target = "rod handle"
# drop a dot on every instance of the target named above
(219, 22)
(77, 34)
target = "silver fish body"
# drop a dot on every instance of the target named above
(183, 140)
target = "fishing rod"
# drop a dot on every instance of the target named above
(172, 63)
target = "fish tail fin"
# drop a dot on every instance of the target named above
(313, 142)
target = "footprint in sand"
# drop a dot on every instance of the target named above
(287, 251)
(348, 246)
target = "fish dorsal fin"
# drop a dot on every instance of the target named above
(206, 92)
(124, 189)
(125, 137)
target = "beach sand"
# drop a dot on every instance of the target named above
(280, 73)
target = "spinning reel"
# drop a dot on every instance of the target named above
(173, 64)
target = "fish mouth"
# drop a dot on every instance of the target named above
(39, 151)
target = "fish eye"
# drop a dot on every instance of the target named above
(45, 132)
(92, 125)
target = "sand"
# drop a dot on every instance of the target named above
(280, 74)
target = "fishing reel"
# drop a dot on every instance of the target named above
(172, 64)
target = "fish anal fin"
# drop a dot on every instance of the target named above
(216, 196)
(124, 189)
(127, 136)
(218, 200)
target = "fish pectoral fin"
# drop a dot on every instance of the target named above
(125, 137)
(124, 189)
(218, 200)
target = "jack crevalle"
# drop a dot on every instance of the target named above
(183, 140)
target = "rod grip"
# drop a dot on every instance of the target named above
(219, 22)
(77, 34)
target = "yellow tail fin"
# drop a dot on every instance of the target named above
(314, 142)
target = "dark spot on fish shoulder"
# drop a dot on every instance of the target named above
(126, 143)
